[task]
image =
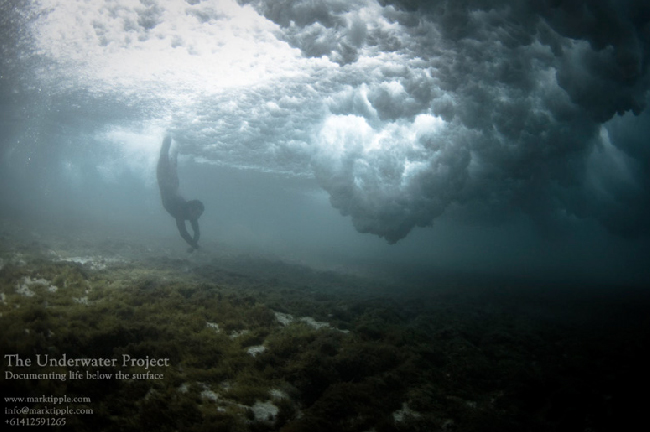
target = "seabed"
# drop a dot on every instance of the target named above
(254, 343)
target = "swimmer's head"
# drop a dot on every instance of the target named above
(195, 209)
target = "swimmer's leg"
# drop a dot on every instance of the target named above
(173, 160)
(164, 149)
(167, 174)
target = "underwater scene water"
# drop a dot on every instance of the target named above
(364, 216)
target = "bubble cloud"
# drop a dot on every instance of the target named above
(525, 99)
(402, 110)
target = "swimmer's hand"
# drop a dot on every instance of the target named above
(192, 248)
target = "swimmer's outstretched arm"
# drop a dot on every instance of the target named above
(197, 232)
(180, 224)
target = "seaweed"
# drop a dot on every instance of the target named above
(316, 350)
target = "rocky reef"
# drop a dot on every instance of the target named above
(253, 343)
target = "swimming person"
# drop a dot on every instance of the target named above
(176, 205)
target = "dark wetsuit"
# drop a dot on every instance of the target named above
(176, 205)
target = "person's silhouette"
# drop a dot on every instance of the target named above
(176, 205)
